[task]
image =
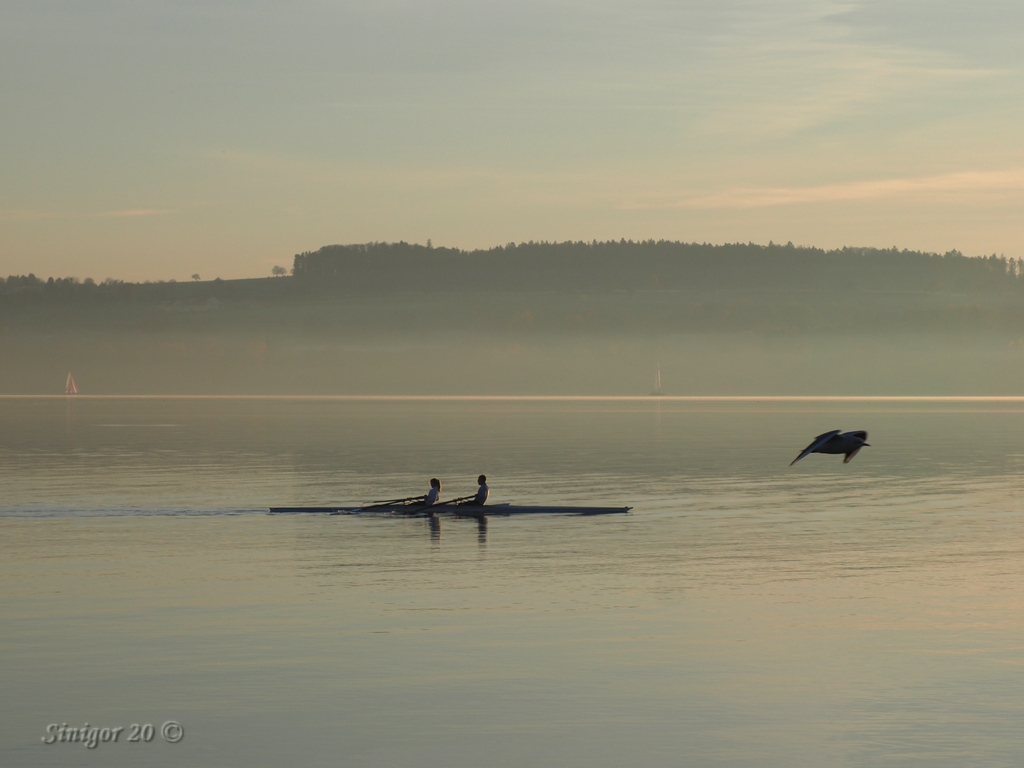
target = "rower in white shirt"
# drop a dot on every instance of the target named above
(435, 490)
(481, 494)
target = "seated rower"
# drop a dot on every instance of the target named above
(435, 490)
(481, 494)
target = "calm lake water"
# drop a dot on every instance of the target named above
(746, 613)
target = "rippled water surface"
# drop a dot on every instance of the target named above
(745, 613)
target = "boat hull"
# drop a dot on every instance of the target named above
(489, 510)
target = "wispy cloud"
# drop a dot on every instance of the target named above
(129, 213)
(298, 168)
(34, 215)
(763, 197)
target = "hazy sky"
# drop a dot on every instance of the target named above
(157, 138)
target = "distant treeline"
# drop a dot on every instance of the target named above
(30, 286)
(626, 265)
(31, 289)
(572, 267)
(534, 318)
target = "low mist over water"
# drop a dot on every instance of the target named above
(536, 318)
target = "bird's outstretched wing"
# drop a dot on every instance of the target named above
(851, 454)
(819, 441)
(859, 433)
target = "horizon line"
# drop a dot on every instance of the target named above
(544, 398)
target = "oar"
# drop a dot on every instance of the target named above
(455, 501)
(422, 508)
(375, 504)
(392, 501)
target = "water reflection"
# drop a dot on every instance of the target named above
(744, 614)
(467, 513)
(71, 416)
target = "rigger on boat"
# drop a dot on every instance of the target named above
(458, 510)
(465, 506)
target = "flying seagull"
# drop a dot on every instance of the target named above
(833, 442)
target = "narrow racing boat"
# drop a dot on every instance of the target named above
(457, 510)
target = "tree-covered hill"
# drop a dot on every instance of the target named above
(534, 318)
(571, 267)
(647, 265)
(577, 288)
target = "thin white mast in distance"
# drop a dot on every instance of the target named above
(657, 381)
